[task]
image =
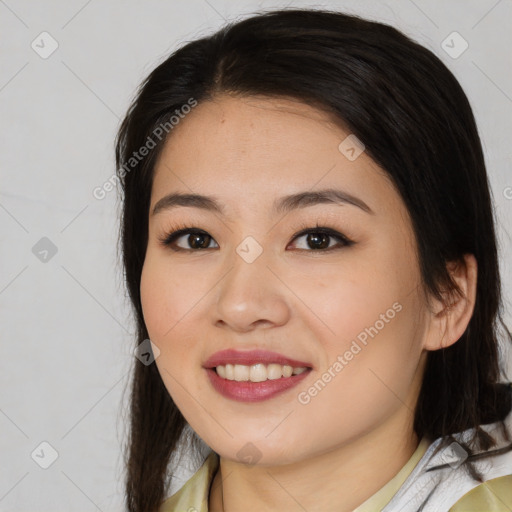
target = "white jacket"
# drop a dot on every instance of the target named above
(446, 488)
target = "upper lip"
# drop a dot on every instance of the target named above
(250, 357)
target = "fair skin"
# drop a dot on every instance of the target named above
(337, 450)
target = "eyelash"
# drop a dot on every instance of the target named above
(167, 239)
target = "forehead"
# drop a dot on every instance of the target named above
(254, 149)
(252, 127)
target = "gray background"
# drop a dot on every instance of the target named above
(66, 344)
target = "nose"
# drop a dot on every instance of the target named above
(251, 296)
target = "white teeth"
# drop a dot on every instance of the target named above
(221, 370)
(287, 371)
(241, 372)
(274, 371)
(257, 372)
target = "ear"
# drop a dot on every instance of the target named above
(448, 320)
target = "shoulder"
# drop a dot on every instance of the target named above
(441, 481)
(194, 493)
(493, 495)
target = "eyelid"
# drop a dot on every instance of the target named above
(319, 228)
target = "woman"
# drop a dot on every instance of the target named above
(308, 240)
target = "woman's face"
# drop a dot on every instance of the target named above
(352, 313)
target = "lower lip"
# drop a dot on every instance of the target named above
(247, 391)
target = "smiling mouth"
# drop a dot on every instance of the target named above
(270, 380)
(258, 372)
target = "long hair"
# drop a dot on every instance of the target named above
(416, 123)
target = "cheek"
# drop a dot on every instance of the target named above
(167, 302)
(166, 298)
(343, 301)
(173, 303)
(370, 319)
(363, 383)
(154, 300)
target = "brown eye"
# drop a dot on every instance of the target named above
(199, 240)
(194, 240)
(320, 239)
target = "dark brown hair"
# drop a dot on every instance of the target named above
(415, 121)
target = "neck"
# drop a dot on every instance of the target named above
(339, 480)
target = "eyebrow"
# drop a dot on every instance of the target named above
(281, 205)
